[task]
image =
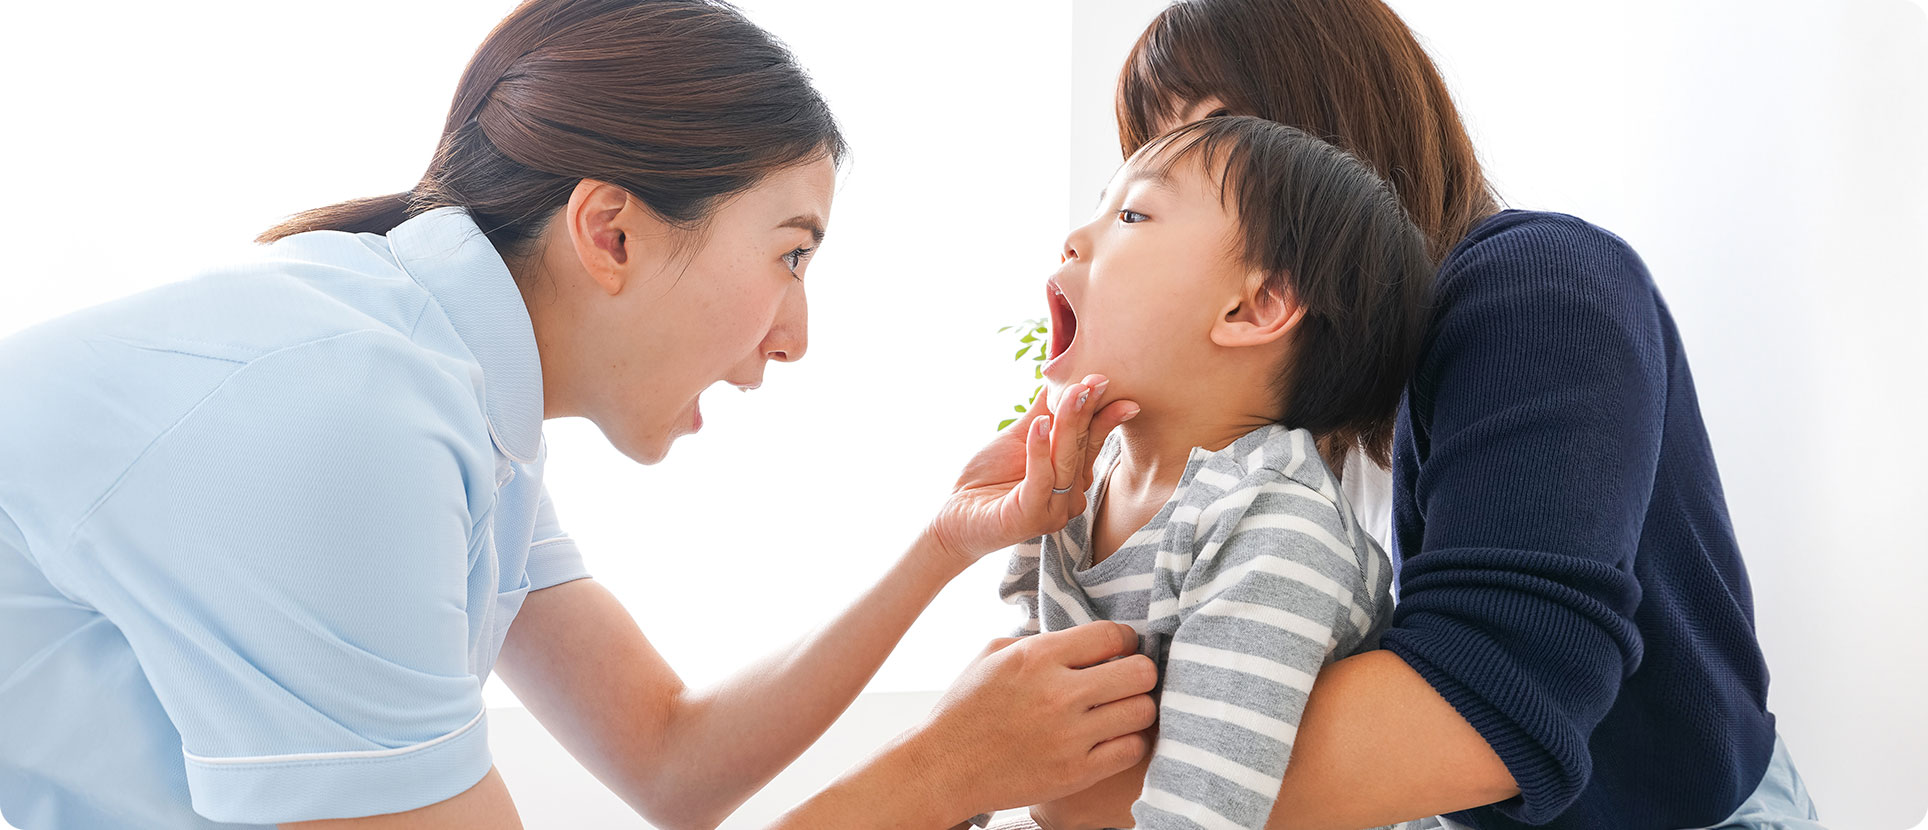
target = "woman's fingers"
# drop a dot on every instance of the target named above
(1133, 714)
(1034, 492)
(1120, 679)
(1060, 446)
(1107, 419)
(1032, 703)
(1120, 753)
(1071, 436)
(1089, 645)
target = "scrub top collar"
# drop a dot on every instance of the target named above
(447, 254)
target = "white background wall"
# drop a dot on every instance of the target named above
(1765, 157)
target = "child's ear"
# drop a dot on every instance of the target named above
(1263, 313)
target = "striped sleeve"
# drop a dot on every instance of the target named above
(1020, 586)
(1270, 594)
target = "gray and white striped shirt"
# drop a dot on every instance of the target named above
(1252, 577)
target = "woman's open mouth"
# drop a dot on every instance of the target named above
(1064, 321)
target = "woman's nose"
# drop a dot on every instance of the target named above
(790, 337)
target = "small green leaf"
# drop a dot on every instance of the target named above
(1028, 339)
(1021, 352)
(1005, 423)
(1038, 373)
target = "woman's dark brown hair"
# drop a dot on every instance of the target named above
(683, 103)
(1348, 71)
(1329, 233)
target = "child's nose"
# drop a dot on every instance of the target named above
(1075, 245)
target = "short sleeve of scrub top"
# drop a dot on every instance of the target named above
(293, 578)
(312, 548)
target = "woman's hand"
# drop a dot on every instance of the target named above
(1104, 804)
(1011, 491)
(1038, 718)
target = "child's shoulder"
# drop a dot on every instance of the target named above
(1268, 455)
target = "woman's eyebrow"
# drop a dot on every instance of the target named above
(807, 222)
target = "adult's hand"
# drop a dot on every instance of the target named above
(1043, 716)
(1031, 720)
(1008, 493)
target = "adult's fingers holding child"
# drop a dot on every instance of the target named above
(1107, 419)
(1030, 705)
(1089, 645)
(1071, 449)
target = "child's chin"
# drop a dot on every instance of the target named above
(1060, 373)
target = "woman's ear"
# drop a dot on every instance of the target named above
(1262, 313)
(604, 224)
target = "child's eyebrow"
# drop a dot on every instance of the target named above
(1158, 178)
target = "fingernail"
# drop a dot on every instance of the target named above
(1082, 397)
(1044, 425)
(1100, 388)
(1129, 415)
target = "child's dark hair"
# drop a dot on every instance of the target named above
(1332, 235)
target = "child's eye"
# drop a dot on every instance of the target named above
(795, 258)
(1130, 217)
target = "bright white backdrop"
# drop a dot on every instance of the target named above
(1764, 157)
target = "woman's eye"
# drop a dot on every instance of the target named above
(1218, 113)
(1131, 217)
(795, 258)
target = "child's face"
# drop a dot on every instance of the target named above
(1144, 283)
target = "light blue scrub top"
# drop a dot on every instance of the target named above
(262, 533)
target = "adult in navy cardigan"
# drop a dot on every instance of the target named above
(1574, 641)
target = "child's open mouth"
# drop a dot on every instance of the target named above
(1064, 320)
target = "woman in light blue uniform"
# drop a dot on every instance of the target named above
(264, 533)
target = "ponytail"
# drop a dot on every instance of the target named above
(682, 103)
(376, 215)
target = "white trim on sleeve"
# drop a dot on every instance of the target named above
(351, 755)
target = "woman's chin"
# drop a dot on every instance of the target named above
(643, 446)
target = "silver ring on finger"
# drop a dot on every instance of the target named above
(1059, 491)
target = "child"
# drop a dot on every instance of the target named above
(1262, 296)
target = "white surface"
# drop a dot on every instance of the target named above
(1766, 159)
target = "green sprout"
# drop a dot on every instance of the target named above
(1035, 341)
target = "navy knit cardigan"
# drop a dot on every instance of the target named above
(1567, 576)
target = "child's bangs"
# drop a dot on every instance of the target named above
(1215, 147)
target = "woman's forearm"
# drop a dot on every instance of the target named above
(731, 739)
(1377, 745)
(888, 791)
